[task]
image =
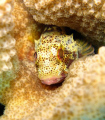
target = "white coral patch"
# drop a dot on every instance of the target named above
(7, 42)
(97, 2)
(12, 52)
(2, 2)
(8, 7)
(4, 56)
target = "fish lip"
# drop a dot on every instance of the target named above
(50, 81)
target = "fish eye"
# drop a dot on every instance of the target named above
(60, 53)
(35, 55)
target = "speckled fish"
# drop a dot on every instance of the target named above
(55, 51)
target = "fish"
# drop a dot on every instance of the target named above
(54, 53)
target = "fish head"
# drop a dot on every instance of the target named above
(51, 67)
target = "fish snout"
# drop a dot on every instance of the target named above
(52, 80)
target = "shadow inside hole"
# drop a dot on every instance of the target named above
(2, 108)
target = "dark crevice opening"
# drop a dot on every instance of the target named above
(2, 108)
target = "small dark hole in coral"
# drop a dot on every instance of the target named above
(76, 35)
(95, 49)
(69, 31)
(2, 108)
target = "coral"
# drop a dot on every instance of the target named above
(73, 99)
(7, 42)
(8, 57)
(80, 96)
(86, 16)
(19, 37)
(25, 31)
(6, 22)
(26, 94)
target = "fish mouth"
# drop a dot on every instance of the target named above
(53, 80)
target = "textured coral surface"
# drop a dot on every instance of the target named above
(7, 42)
(25, 31)
(22, 40)
(8, 57)
(80, 96)
(85, 16)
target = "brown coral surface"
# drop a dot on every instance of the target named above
(80, 96)
(25, 31)
(85, 16)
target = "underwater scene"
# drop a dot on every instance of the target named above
(52, 60)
